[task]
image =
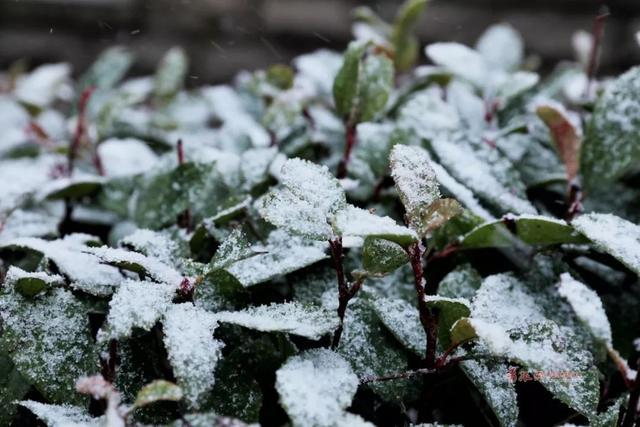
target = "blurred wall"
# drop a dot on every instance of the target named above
(223, 36)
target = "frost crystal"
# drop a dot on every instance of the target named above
(292, 318)
(316, 387)
(192, 350)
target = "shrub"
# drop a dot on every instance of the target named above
(351, 241)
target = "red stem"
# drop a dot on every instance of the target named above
(81, 128)
(598, 31)
(184, 219)
(428, 319)
(634, 397)
(350, 134)
(345, 293)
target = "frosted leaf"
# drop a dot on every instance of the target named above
(354, 221)
(192, 350)
(502, 47)
(320, 68)
(48, 336)
(316, 387)
(515, 84)
(460, 192)
(62, 415)
(492, 381)
(125, 157)
(291, 317)
(26, 223)
(371, 351)
(42, 85)
(134, 261)
(462, 282)
(157, 390)
(170, 74)
(588, 307)
(30, 284)
(152, 244)
(283, 254)
(136, 304)
(477, 175)
(610, 148)
(449, 311)
(309, 197)
(254, 166)
(415, 181)
(234, 248)
(375, 83)
(614, 235)
(84, 270)
(495, 302)
(428, 115)
(461, 60)
(403, 321)
(381, 256)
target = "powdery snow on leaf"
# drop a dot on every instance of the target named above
(357, 222)
(192, 350)
(292, 317)
(62, 415)
(403, 321)
(316, 387)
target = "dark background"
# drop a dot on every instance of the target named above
(224, 36)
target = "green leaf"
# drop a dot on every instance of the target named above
(281, 254)
(416, 183)
(107, 70)
(169, 78)
(610, 148)
(291, 317)
(510, 230)
(281, 76)
(48, 337)
(613, 235)
(405, 43)
(357, 222)
(236, 247)
(31, 284)
(328, 382)
(375, 83)
(191, 349)
(462, 330)
(363, 329)
(13, 387)
(159, 390)
(492, 381)
(403, 321)
(345, 85)
(220, 290)
(381, 256)
(71, 188)
(449, 311)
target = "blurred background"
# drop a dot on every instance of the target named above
(224, 36)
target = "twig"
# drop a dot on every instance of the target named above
(634, 397)
(574, 200)
(81, 128)
(351, 137)
(335, 246)
(428, 319)
(598, 31)
(442, 360)
(622, 366)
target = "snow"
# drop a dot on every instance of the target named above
(283, 254)
(588, 307)
(153, 267)
(478, 176)
(83, 269)
(41, 86)
(415, 180)
(62, 415)
(614, 235)
(316, 387)
(502, 47)
(320, 67)
(428, 115)
(136, 304)
(582, 42)
(15, 273)
(153, 244)
(460, 60)
(125, 157)
(354, 221)
(192, 350)
(290, 317)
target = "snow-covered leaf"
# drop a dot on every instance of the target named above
(380, 256)
(403, 321)
(609, 149)
(107, 70)
(171, 73)
(449, 311)
(356, 222)
(613, 235)
(316, 387)
(62, 415)
(234, 248)
(281, 254)
(502, 47)
(30, 284)
(461, 60)
(291, 317)
(191, 349)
